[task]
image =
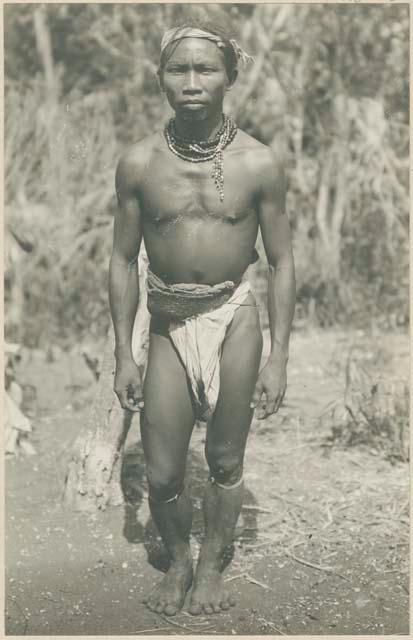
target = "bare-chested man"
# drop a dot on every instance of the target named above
(199, 230)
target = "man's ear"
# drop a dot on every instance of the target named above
(160, 80)
(232, 78)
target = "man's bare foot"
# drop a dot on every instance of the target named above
(209, 594)
(169, 595)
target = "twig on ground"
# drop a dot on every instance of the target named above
(211, 626)
(47, 597)
(329, 520)
(254, 581)
(295, 529)
(318, 567)
(287, 500)
(297, 544)
(249, 579)
(256, 507)
(271, 625)
(256, 546)
(240, 575)
(381, 519)
(200, 624)
(176, 624)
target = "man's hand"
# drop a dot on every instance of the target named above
(128, 385)
(271, 383)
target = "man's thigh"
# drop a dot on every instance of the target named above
(240, 360)
(168, 417)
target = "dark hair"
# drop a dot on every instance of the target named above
(228, 51)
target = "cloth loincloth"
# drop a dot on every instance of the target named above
(198, 319)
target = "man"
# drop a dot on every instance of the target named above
(197, 193)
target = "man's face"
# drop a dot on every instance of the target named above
(195, 79)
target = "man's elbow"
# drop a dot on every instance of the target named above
(124, 262)
(281, 262)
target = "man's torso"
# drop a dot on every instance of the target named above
(190, 235)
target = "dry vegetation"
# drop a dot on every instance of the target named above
(322, 547)
(328, 534)
(80, 87)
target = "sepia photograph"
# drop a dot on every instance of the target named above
(206, 316)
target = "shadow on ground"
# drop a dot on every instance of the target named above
(133, 482)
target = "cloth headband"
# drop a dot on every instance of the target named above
(178, 33)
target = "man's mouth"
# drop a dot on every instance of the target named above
(192, 103)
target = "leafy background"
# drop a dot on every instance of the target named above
(328, 89)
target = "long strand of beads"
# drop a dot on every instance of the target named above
(204, 150)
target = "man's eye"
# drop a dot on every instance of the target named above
(174, 70)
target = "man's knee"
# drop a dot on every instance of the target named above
(163, 484)
(225, 465)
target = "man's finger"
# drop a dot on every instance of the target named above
(126, 401)
(135, 397)
(268, 408)
(123, 400)
(138, 401)
(262, 406)
(134, 404)
(256, 396)
(279, 401)
(271, 404)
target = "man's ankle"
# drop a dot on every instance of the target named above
(211, 558)
(182, 558)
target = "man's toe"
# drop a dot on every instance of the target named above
(208, 609)
(170, 610)
(159, 607)
(231, 601)
(152, 603)
(225, 605)
(195, 608)
(216, 608)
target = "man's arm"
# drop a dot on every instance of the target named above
(124, 284)
(276, 235)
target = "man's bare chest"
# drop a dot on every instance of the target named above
(176, 189)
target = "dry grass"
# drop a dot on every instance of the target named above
(319, 506)
(372, 411)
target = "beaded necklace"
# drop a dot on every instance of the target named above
(204, 150)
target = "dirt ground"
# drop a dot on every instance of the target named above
(321, 548)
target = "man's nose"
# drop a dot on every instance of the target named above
(191, 83)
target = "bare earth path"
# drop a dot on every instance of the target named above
(322, 547)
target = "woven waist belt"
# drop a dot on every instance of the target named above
(182, 301)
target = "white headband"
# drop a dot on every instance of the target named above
(178, 33)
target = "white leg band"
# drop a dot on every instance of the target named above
(175, 497)
(227, 486)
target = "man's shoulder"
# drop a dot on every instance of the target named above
(258, 156)
(265, 165)
(135, 158)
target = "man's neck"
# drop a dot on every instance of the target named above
(199, 129)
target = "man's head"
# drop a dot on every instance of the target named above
(203, 30)
(197, 66)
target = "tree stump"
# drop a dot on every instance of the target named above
(93, 478)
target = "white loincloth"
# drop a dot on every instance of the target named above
(198, 341)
